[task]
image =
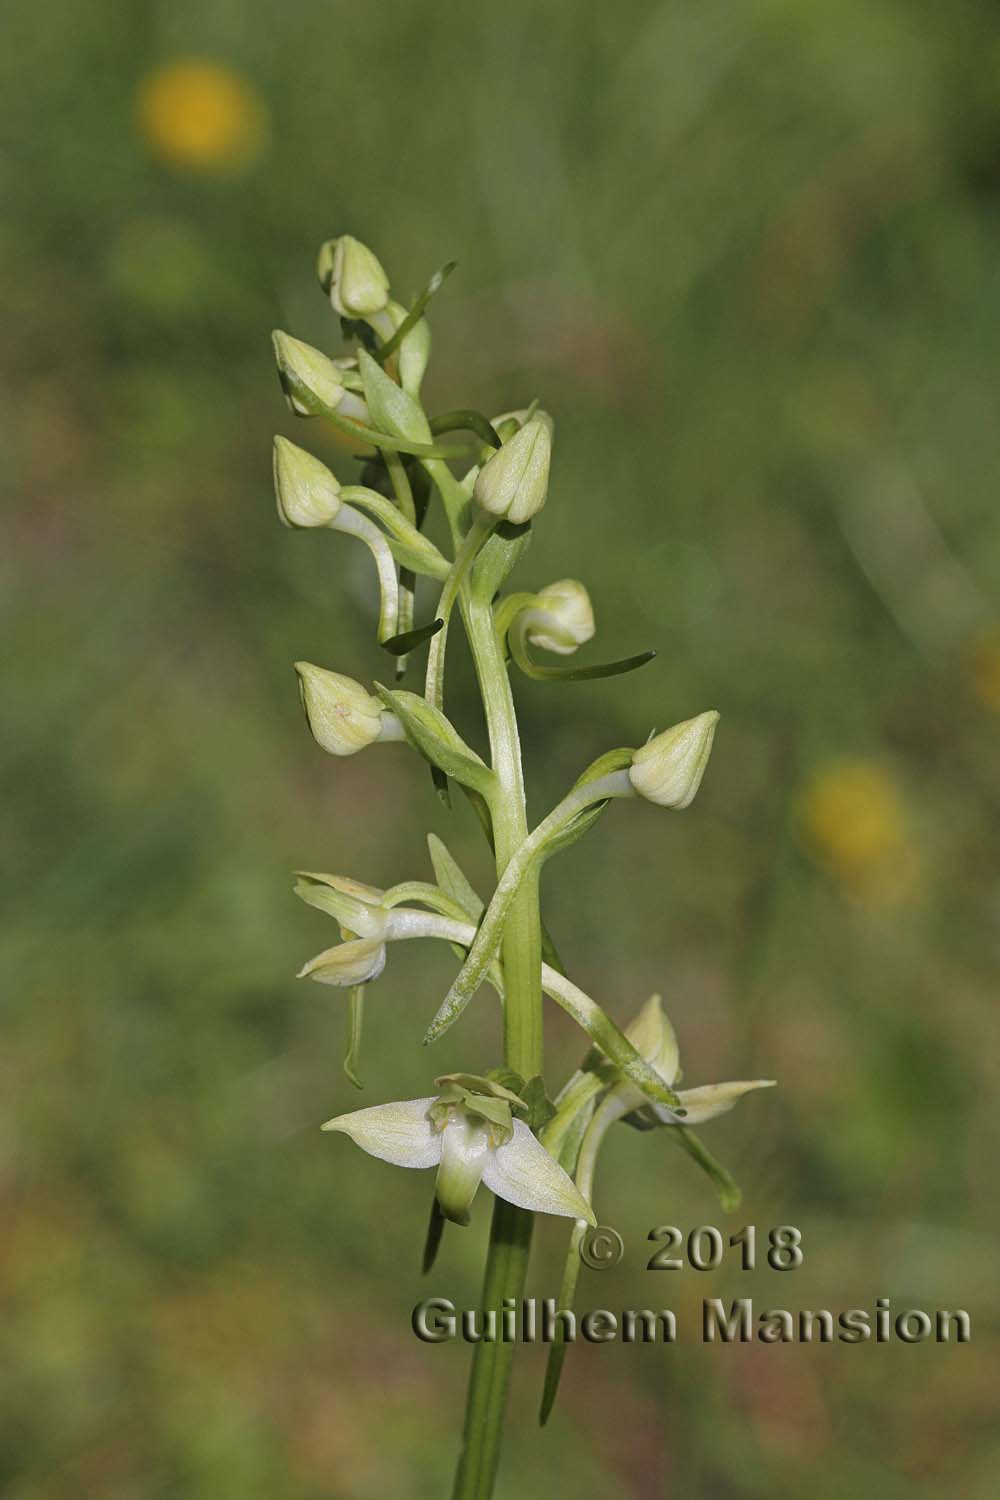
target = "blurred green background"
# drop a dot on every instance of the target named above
(747, 255)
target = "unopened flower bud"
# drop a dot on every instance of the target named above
(342, 715)
(307, 493)
(307, 375)
(514, 480)
(564, 621)
(357, 285)
(668, 770)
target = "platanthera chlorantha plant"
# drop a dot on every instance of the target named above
(497, 1127)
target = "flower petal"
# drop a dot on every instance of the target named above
(347, 964)
(652, 1036)
(400, 1133)
(709, 1100)
(524, 1173)
(356, 907)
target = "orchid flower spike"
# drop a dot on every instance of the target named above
(652, 1035)
(470, 1133)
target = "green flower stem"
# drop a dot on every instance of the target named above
(510, 1235)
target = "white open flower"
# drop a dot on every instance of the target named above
(652, 1035)
(563, 618)
(470, 1140)
(364, 924)
(668, 770)
(343, 716)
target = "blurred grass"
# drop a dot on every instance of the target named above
(747, 255)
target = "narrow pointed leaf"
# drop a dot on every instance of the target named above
(450, 878)
(409, 640)
(416, 312)
(437, 739)
(392, 410)
(535, 670)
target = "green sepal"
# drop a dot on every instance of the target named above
(539, 1106)
(416, 312)
(392, 410)
(409, 640)
(437, 739)
(507, 1079)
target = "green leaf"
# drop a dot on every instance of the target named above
(438, 740)
(409, 640)
(451, 879)
(533, 669)
(416, 312)
(540, 1107)
(392, 410)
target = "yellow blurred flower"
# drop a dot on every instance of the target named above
(982, 666)
(852, 822)
(197, 114)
